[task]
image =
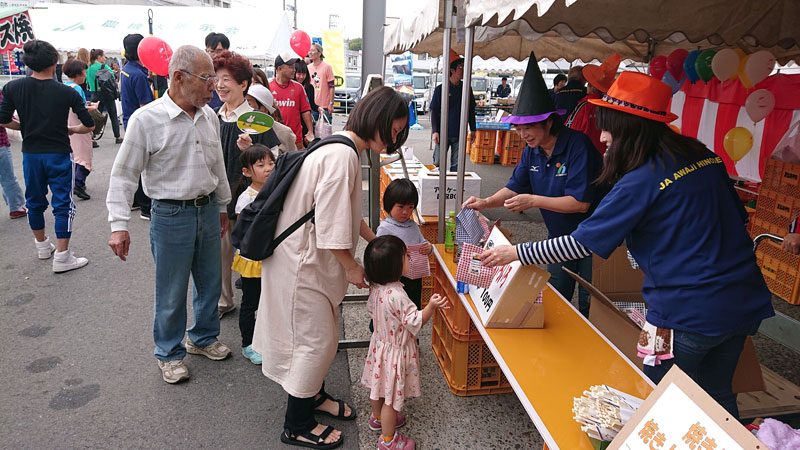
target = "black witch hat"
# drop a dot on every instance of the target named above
(534, 103)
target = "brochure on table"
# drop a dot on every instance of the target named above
(679, 414)
(510, 301)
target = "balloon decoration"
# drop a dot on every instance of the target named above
(672, 82)
(759, 104)
(759, 65)
(703, 65)
(689, 65)
(155, 54)
(675, 63)
(725, 64)
(740, 72)
(738, 142)
(658, 67)
(300, 43)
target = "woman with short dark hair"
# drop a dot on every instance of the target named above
(107, 103)
(303, 282)
(674, 205)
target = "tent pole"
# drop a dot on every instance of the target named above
(443, 147)
(465, 106)
(372, 61)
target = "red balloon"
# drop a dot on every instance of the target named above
(675, 63)
(658, 67)
(155, 54)
(300, 43)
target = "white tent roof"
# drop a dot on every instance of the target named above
(70, 26)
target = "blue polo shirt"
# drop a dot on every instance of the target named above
(570, 170)
(684, 225)
(135, 89)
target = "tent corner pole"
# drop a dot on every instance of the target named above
(465, 108)
(445, 98)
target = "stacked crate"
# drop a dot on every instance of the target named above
(481, 151)
(511, 146)
(469, 368)
(778, 203)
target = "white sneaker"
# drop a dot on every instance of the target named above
(45, 248)
(66, 261)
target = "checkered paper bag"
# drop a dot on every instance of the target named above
(420, 265)
(470, 270)
(469, 228)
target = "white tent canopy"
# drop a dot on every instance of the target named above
(70, 27)
(663, 25)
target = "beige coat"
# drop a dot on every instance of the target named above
(302, 283)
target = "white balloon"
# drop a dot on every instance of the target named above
(725, 64)
(759, 66)
(759, 104)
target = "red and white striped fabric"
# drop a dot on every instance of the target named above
(707, 111)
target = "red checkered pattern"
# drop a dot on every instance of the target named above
(420, 266)
(470, 270)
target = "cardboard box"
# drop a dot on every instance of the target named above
(614, 280)
(510, 301)
(429, 190)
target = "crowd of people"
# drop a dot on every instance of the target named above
(189, 169)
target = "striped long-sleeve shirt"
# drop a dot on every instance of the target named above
(793, 227)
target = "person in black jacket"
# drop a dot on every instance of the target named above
(234, 75)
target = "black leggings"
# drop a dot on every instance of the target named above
(111, 108)
(300, 413)
(251, 292)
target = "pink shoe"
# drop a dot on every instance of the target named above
(399, 442)
(375, 424)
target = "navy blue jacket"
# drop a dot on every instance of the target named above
(454, 112)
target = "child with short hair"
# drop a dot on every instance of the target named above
(257, 163)
(391, 370)
(399, 201)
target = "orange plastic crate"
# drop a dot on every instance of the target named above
(781, 178)
(511, 139)
(481, 155)
(458, 320)
(484, 138)
(468, 367)
(510, 156)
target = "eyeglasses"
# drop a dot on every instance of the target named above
(212, 79)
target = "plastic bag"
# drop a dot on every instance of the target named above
(323, 128)
(788, 148)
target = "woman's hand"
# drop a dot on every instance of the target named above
(520, 202)
(474, 203)
(499, 256)
(244, 141)
(356, 276)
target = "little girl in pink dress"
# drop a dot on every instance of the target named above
(391, 371)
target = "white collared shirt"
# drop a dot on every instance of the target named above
(232, 116)
(178, 157)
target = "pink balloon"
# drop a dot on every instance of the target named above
(675, 63)
(759, 104)
(300, 43)
(155, 54)
(658, 67)
(759, 65)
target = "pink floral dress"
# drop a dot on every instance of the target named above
(392, 367)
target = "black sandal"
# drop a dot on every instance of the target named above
(317, 441)
(340, 415)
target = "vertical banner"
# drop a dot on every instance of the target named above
(333, 49)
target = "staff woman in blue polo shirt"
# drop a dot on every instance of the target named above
(555, 174)
(674, 205)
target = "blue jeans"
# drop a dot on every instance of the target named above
(453, 155)
(565, 284)
(185, 240)
(55, 171)
(12, 193)
(709, 360)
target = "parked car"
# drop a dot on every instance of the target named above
(346, 96)
(479, 87)
(422, 92)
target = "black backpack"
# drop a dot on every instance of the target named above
(254, 232)
(105, 85)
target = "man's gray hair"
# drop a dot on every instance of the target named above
(185, 58)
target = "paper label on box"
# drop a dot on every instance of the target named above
(485, 299)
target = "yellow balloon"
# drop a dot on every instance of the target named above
(742, 71)
(738, 142)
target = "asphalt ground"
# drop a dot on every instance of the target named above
(80, 372)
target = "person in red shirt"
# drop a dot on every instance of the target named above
(291, 98)
(583, 116)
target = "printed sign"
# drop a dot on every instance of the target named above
(333, 48)
(15, 31)
(701, 424)
(255, 122)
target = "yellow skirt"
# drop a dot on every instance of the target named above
(246, 267)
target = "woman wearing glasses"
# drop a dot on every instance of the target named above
(234, 75)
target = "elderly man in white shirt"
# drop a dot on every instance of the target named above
(174, 144)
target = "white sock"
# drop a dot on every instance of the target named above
(44, 243)
(62, 256)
